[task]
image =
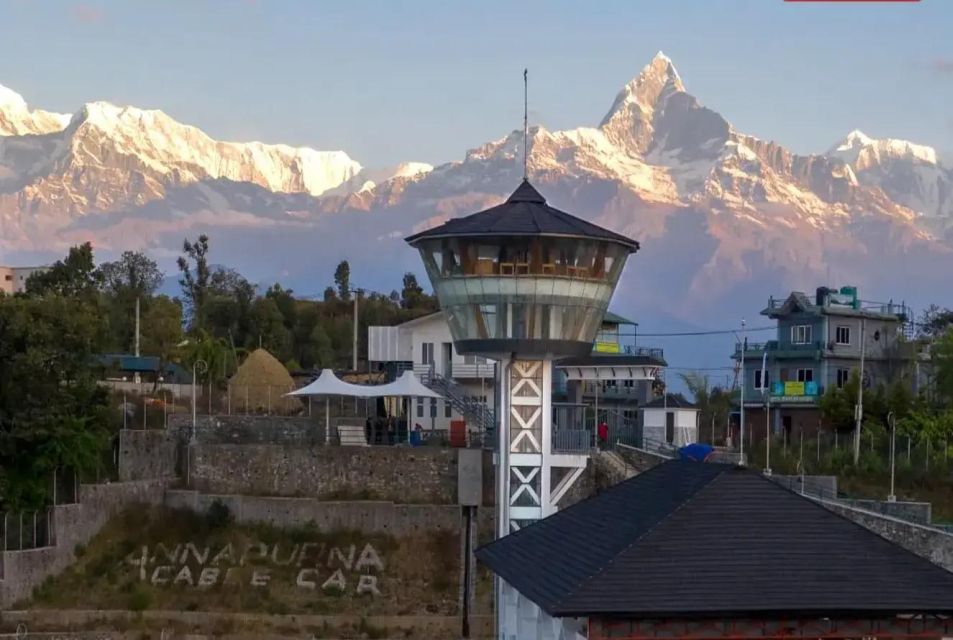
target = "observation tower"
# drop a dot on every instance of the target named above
(525, 284)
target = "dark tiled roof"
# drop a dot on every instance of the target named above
(614, 318)
(674, 401)
(701, 539)
(525, 213)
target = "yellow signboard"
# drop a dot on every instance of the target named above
(607, 347)
(794, 388)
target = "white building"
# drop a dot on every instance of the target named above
(13, 279)
(671, 420)
(424, 344)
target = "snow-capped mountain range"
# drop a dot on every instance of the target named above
(720, 213)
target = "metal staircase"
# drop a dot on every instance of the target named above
(474, 411)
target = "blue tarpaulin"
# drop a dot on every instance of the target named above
(696, 452)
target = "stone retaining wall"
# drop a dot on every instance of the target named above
(73, 524)
(423, 475)
(251, 429)
(918, 512)
(933, 544)
(147, 455)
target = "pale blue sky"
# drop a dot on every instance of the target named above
(425, 80)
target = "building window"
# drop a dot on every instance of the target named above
(8, 277)
(758, 382)
(628, 384)
(843, 375)
(802, 334)
(433, 407)
(420, 409)
(842, 335)
(474, 360)
(426, 353)
(447, 409)
(805, 375)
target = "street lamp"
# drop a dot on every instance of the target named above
(892, 422)
(198, 364)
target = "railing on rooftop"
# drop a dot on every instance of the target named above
(773, 346)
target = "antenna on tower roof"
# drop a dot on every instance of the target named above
(525, 124)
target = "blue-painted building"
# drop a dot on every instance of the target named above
(817, 346)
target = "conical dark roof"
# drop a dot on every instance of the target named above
(525, 213)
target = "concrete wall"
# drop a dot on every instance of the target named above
(367, 517)
(422, 475)
(933, 544)
(147, 455)
(73, 524)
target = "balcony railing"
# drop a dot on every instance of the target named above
(485, 370)
(773, 346)
(572, 441)
(651, 352)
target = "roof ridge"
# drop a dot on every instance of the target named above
(650, 529)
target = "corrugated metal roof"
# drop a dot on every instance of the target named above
(700, 539)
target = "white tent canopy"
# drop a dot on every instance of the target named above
(328, 384)
(406, 386)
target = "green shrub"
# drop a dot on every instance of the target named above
(218, 515)
(139, 600)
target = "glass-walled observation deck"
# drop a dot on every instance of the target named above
(524, 288)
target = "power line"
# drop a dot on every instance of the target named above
(713, 332)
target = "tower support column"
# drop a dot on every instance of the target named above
(525, 443)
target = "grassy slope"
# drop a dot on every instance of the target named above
(420, 574)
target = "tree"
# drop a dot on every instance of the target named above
(837, 405)
(342, 279)
(162, 329)
(134, 277)
(943, 366)
(195, 279)
(76, 275)
(934, 322)
(53, 414)
(134, 274)
(287, 305)
(268, 329)
(412, 294)
(330, 295)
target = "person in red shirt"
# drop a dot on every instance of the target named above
(603, 433)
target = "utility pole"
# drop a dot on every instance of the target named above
(767, 412)
(136, 346)
(859, 408)
(355, 333)
(741, 433)
(892, 422)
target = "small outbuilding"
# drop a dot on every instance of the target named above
(669, 420)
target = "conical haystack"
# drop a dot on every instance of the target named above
(260, 385)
